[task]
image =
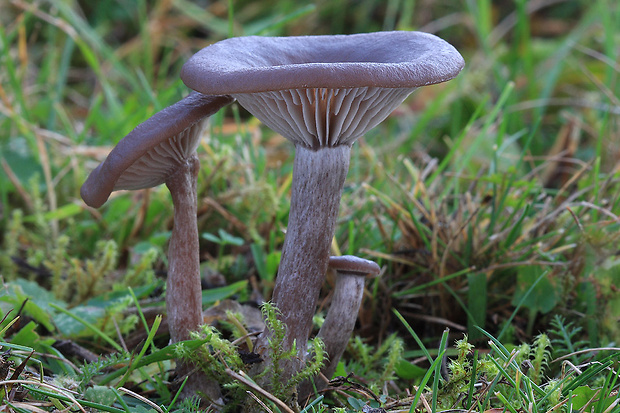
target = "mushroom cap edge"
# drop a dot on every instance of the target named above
(257, 64)
(351, 264)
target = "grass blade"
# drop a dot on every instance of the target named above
(90, 326)
(413, 334)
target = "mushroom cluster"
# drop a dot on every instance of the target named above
(321, 93)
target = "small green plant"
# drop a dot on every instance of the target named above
(91, 370)
(565, 338)
(266, 262)
(520, 382)
(218, 357)
(541, 355)
(460, 375)
(215, 356)
(285, 389)
(376, 365)
(74, 281)
(189, 405)
(223, 239)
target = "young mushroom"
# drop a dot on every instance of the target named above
(322, 93)
(348, 293)
(163, 150)
(339, 323)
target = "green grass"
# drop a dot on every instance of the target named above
(491, 202)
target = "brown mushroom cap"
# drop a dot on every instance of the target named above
(397, 59)
(153, 150)
(351, 264)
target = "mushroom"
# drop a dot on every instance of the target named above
(344, 308)
(322, 93)
(163, 150)
(348, 293)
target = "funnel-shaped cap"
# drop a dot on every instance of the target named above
(322, 90)
(153, 150)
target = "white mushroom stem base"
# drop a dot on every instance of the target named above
(318, 179)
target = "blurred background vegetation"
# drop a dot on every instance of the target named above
(491, 200)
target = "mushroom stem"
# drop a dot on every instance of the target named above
(183, 290)
(336, 331)
(340, 321)
(318, 179)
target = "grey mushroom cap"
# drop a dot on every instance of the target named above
(153, 150)
(351, 264)
(322, 91)
(396, 59)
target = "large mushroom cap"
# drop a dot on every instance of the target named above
(322, 91)
(252, 64)
(153, 150)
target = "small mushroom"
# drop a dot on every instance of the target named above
(163, 150)
(340, 321)
(322, 93)
(348, 293)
